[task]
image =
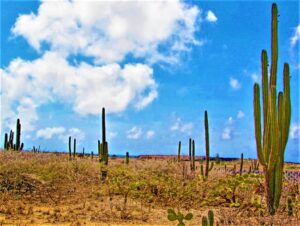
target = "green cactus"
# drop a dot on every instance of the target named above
(179, 149)
(103, 147)
(190, 149)
(241, 164)
(9, 140)
(173, 216)
(18, 134)
(74, 149)
(208, 221)
(127, 158)
(193, 166)
(6, 141)
(207, 160)
(70, 148)
(272, 140)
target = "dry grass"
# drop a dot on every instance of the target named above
(47, 189)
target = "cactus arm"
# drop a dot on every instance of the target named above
(257, 124)
(287, 103)
(274, 46)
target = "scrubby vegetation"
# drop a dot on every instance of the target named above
(42, 188)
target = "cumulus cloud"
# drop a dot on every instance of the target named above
(134, 133)
(234, 84)
(61, 133)
(49, 132)
(295, 131)
(296, 36)
(211, 17)
(107, 32)
(150, 134)
(182, 127)
(227, 133)
(87, 88)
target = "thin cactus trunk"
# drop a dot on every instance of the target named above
(70, 148)
(206, 143)
(272, 140)
(193, 156)
(127, 158)
(241, 164)
(6, 141)
(179, 149)
(18, 135)
(74, 150)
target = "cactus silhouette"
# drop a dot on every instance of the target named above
(127, 158)
(9, 140)
(207, 159)
(272, 140)
(179, 149)
(241, 164)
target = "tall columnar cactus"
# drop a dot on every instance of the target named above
(104, 145)
(193, 166)
(190, 148)
(9, 140)
(70, 148)
(5, 141)
(272, 140)
(241, 164)
(207, 160)
(127, 158)
(179, 149)
(74, 150)
(18, 135)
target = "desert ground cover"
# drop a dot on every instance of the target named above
(49, 188)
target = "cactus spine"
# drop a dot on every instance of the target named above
(179, 149)
(272, 140)
(207, 166)
(241, 164)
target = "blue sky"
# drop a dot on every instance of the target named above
(155, 73)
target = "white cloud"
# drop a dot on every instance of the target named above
(211, 17)
(234, 83)
(61, 133)
(109, 30)
(295, 131)
(182, 127)
(227, 133)
(240, 114)
(150, 134)
(49, 132)
(296, 36)
(106, 32)
(87, 88)
(134, 133)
